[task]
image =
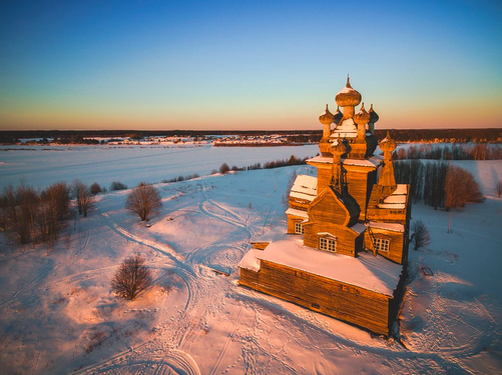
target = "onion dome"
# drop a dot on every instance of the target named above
(348, 96)
(338, 148)
(327, 117)
(373, 115)
(388, 144)
(338, 116)
(362, 117)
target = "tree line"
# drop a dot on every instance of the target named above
(38, 216)
(479, 151)
(438, 183)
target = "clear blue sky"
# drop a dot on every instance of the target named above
(78, 64)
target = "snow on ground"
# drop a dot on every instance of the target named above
(44, 165)
(59, 316)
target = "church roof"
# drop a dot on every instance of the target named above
(304, 187)
(367, 271)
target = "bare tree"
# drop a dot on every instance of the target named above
(460, 188)
(144, 200)
(131, 278)
(421, 235)
(78, 189)
(87, 201)
(54, 211)
(498, 188)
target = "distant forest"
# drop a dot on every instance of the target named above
(294, 136)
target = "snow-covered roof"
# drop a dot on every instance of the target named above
(346, 129)
(397, 200)
(366, 271)
(326, 234)
(374, 161)
(395, 227)
(295, 212)
(250, 261)
(371, 162)
(304, 187)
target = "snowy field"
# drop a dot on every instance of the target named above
(40, 166)
(58, 315)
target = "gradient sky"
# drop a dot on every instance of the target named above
(81, 64)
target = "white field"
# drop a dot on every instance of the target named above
(194, 321)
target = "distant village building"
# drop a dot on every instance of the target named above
(345, 249)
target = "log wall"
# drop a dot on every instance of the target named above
(347, 240)
(346, 302)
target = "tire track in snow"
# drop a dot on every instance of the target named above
(161, 248)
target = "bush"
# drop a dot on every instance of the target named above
(144, 200)
(131, 278)
(117, 185)
(224, 168)
(95, 188)
(421, 235)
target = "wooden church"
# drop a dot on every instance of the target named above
(345, 248)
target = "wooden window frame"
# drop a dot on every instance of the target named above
(382, 244)
(327, 243)
(302, 228)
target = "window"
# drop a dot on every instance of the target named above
(328, 244)
(381, 244)
(299, 228)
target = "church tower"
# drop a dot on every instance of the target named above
(344, 250)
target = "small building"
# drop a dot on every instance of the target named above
(345, 248)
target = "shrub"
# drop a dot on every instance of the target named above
(95, 188)
(421, 235)
(117, 185)
(224, 168)
(131, 278)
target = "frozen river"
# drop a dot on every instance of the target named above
(40, 166)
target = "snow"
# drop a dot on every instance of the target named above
(389, 226)
(196, 321)
(395, 206)
(366, 271)
(304, 187)
(250, 261)
(277, 233)
(295, 212)
(372, 162)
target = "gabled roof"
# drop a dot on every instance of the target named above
(295, 212)
(397, 200)
(304, 187)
